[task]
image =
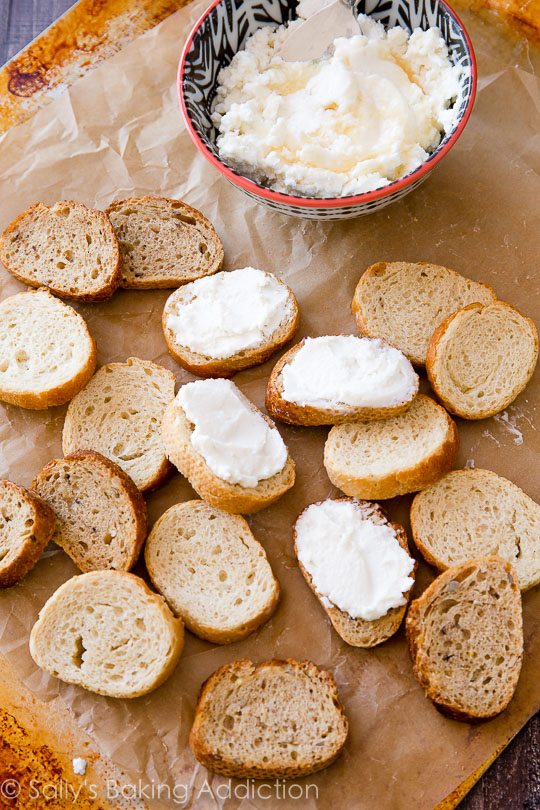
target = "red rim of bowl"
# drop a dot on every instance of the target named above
(324, 202)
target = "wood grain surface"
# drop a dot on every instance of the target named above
(513, 781)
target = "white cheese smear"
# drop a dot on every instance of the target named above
(353, 121)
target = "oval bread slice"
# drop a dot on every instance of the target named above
(355, 631)
(404, 302)
(212, 571)
(234, 498)
(475, 513)
(109, 633)
(269, 720)
(164, 242)
(294, 414)
(101, 515)
(480, 358)
(119, 415)
(26, 526)
(466, 638)
(406, 453)
(46, 351)
(205, 366)
(68, 248)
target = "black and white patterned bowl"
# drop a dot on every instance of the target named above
(222, 31)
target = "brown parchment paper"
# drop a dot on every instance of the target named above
(118, 132)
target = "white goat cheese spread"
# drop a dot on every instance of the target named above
(355, 120)
(230, 312)
(348, 371)
(230, 434)
(354, 563)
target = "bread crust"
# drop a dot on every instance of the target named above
(42, 532)
(402, 482)
(155, 282)
(106, 291)
(414, 632)
(307, 415)
(433, 353)
(379, 268)
(60, 394)
(133, 494)
(230, 497)
(204, 366)
(359, 632)
(231, 767)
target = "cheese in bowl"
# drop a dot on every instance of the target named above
(360, 118)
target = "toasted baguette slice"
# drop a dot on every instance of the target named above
(466, 638)
(46, 351)
(212, 571)
(234, 498)
(338, 413)
(406, 453)
(101, 515)
(273, 719)
(480, 358)
(164, 242)
(68, 248)
(108, 632)
(206, 365)
(404, 302)
(26, 526)
(356, 631)
(119, 415)
(475, 513)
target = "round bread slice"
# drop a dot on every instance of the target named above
(26, 526)
(480, 358)
(465, 636)
(355, 631)
(404, 302)
(46, 351)
(206, 366)
(475, 513)
(109, 633)
(212, 571)
(276, 719)
(164, 242)
(338, 413)
(119, 415)
(68, 248)
(101, 515)
(406, 453)
(234, 498)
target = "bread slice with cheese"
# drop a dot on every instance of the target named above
(404, 302)
(119, 415)
(46, 351)
(359, 632)
(68, 248)
(275, 719)
(101, 515)
(212, 571)
(109, 633)
(466, 638)
(164, 242)
(406, 453)
(26, 526)
(475, 513)
(178, 434)
(480, 358)
(310, 409)
(205, 322)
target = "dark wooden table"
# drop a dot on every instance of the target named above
(513, 781)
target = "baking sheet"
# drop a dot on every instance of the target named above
(118, 132)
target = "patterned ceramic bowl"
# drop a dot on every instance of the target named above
(223, 30)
